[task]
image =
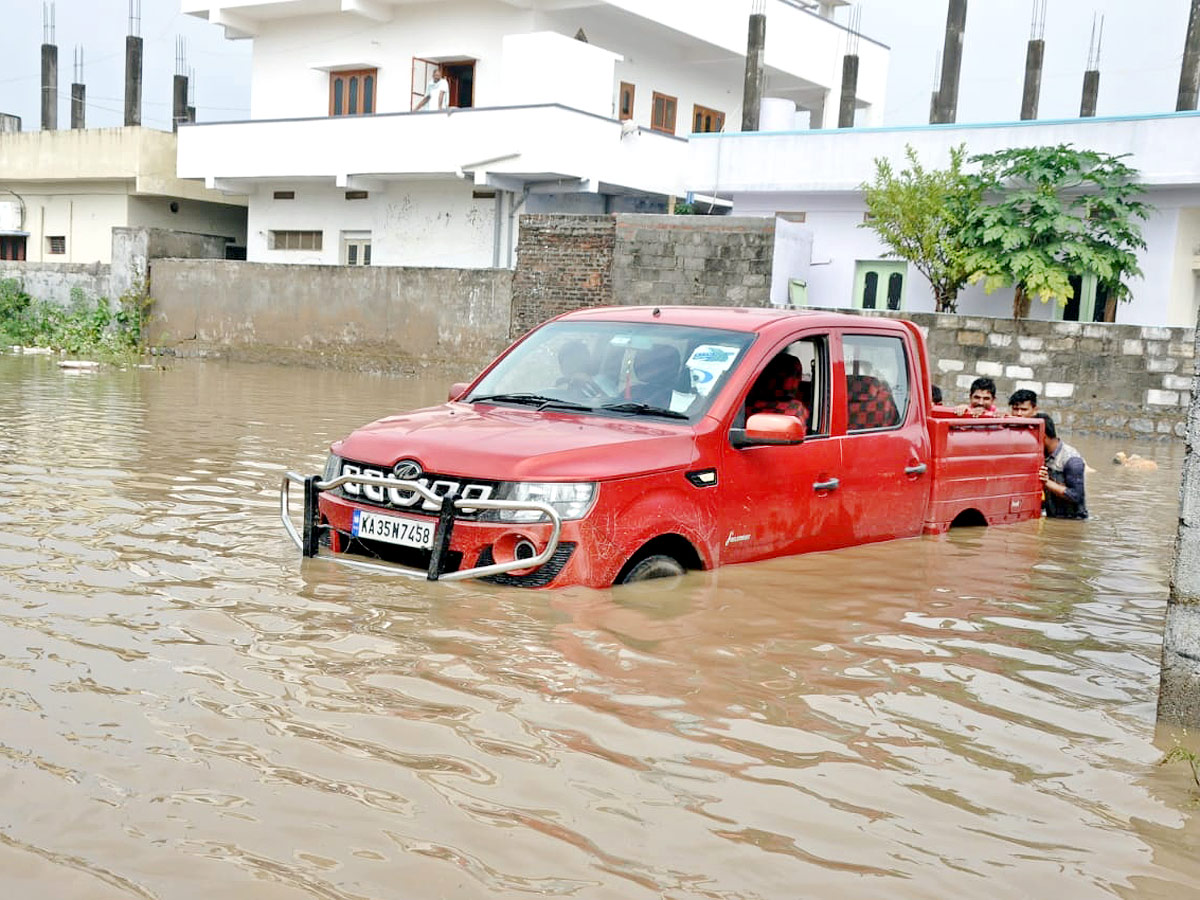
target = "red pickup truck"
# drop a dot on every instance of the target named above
(617, 444)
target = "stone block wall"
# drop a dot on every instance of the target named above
(563, 263)
(569, 262)
(1094, 378)
(693, 260)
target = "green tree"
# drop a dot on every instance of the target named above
(919, 214)
(1051, 213)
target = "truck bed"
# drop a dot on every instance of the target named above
(984, 470)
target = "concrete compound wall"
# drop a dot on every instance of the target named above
(1119, 380)
(132, 252)
(55, 281)
(568, 262)
(368, 317)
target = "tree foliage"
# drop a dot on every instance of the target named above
(920, 215)
(1051, 213)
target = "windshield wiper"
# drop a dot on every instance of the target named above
(539, 400)
(643, 409)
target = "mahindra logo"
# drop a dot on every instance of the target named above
(410, 470)
(407, 470)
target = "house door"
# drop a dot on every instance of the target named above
(459, 73)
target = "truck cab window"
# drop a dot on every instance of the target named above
(877, 387)
(795, 382)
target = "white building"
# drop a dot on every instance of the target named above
(62, 192)
(812, 180)
(555, 105)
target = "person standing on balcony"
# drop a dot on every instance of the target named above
(437, 92)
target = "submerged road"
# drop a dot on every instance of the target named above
(186, 711)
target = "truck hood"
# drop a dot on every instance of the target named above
(507, 444)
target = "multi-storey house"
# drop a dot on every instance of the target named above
(580, 106)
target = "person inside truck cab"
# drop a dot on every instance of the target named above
(779, 389)
(578, 370)
(982, 399)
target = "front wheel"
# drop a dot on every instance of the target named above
(657, 566)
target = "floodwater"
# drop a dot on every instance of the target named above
(186, 711)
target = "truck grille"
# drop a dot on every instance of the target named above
(407, 501)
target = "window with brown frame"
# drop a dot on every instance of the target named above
(706, 120)
(662, 113)
(12, 246)
(284, 195)
(625, 101)
(56, 244)
(296, 240)
(352, 92)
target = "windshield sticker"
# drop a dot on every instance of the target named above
(709, 362)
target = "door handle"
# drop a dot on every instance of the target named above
(830, 485)
(918, 469)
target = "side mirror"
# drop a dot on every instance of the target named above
(766, 429)
(458, 389)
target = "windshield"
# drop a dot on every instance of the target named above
(616, 368)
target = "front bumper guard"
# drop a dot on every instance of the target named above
(308, 540)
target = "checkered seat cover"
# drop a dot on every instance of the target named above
(870, 403)
(779, 389)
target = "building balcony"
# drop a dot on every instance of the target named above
(545, 148)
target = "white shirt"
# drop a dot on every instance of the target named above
(438, 92)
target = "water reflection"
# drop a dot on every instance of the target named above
(187, 710)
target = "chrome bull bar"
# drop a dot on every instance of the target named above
(309, 545)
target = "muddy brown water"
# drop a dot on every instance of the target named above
(186, 711)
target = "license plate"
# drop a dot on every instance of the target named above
(393, 529)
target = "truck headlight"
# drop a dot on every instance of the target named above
(570, 500)
(333, 467)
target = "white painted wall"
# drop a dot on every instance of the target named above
(527, 140)
(411, 223)
(292, 56)
(819, 173)
(292, 45)
(83, 212)
(839, 242)
(545, 67)
(1161, 147)
(195, 216)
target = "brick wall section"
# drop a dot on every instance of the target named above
(569, 262)
(1116, 380)
(693, 260)
(563, 263)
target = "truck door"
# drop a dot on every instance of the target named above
(778, 500)
(884, 486)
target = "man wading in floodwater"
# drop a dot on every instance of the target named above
(1061, 476)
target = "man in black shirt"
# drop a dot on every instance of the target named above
(1062, 476)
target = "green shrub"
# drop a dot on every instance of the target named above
(85, 326)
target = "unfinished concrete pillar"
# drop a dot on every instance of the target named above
(1179, 680)
(133, 80)
(1189, 72)
(49, 87)
(78, 105)
(946, 107)
(179, 93)
(752, 90)
(1091, 91)
(1033, 79)
(849, 90)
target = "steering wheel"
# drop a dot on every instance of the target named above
(581, 386)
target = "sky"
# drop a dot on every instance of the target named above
(1139, 58)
